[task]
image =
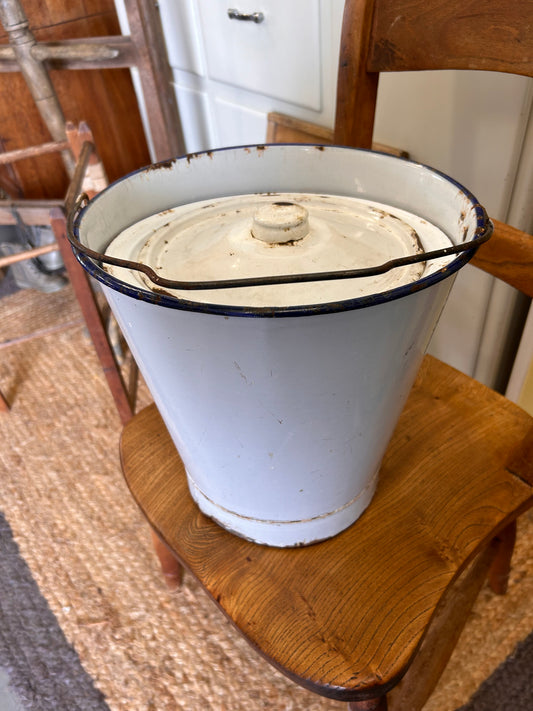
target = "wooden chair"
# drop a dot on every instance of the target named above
(89, 173)
(371, 616)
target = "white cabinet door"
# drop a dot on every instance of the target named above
(237, 124)
(257, 56)
(230, 73)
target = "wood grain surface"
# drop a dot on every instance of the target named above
(105, 98)
(400, 35)
(508, 255)
(345, 617)
(492, 35)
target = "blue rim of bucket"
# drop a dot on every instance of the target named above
(163, 299)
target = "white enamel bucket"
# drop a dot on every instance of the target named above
(280, 413)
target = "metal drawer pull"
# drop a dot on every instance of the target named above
(256, 17)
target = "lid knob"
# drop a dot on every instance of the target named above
(280, 222)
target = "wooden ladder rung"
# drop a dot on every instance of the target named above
(27, 254)
(33, 151)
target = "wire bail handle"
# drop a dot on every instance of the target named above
(81, 201)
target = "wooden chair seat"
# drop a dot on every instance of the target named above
(338, 621)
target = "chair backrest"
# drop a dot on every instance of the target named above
(411, 35)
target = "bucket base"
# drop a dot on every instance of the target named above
(285, 534)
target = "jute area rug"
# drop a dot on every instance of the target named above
(89, 551)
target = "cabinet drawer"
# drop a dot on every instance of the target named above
(278, 57)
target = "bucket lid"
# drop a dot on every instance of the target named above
(259, 235)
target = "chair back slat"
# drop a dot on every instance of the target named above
(400, 35)
(492, 35)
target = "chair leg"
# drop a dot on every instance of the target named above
(377, 704)
(451, 615)
(501, 565)
(93, 319)
(171, 569)
(4, 405)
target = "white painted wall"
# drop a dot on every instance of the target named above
(228, 75)
(470, 125)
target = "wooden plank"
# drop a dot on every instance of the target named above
(287, 129)
(35, 73)
(104, 98)
(456, 34)
(48, 13)
(282, 128)
(156, 78)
